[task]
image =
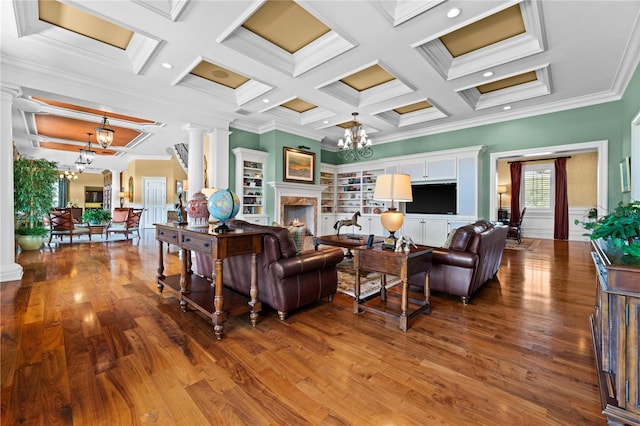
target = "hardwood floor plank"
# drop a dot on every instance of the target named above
(87, 339)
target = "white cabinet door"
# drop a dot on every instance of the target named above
(431, 169)
(372, 225)
(435, 232)
(430, 232)
(413, 227)
(468, 187)
(326, 227)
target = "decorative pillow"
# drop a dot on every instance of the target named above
(447, 244)
(298, 233)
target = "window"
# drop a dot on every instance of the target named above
(537, 186)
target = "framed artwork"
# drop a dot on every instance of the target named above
(179, 187)
(625, 175)
(299, 166)
(131, 189)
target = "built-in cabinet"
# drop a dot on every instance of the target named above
(354, 186)
(615, 329)
(250, 184)
(430, 169)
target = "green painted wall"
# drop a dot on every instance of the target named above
(609, 121)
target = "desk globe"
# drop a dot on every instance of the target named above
(223, 205)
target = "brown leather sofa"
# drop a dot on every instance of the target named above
(287, 280)
(472, 258)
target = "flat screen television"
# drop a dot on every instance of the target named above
(433, 198)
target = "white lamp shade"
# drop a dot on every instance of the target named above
(393, 187)
(208, 191)
(502, 189)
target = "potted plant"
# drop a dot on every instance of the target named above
(620, 230)
(96, 216)
(33, 189)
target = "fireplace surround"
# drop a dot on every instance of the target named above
(295, 201)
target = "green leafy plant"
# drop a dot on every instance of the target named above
(96, 215)
(620, 228)
(33, 190)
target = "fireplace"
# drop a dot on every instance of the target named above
(298, 202)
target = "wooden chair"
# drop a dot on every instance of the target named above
(61, 223)
(125, 221)
(515, 231)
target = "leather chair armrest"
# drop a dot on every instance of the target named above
(460, 259)
(307, 261)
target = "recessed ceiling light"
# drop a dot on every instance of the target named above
(488, 74)
(167, 65)
(452, 13)
(266, 101)
(326, 121)
(507, 108)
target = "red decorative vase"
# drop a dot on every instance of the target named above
(197, 210)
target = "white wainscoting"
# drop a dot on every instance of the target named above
(537, 224)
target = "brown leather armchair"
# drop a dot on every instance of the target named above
(287, 280)
(472, 258)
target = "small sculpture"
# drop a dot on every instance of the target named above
(181, 212)
(403, 242)
(347, 222)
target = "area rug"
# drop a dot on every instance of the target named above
(525, 244)
(369, 283)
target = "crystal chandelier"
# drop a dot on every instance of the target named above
(68, 175)
(87, 155)
(356, 144)
(104, 133)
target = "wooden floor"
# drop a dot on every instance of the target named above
(88, 340)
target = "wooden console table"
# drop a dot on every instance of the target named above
(615, 329)
(402, 264)
(196, 290)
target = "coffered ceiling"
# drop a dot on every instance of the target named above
(408, 67)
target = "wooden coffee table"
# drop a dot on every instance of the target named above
(348, 241)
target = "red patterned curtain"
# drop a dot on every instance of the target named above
(561, 214)
(516, 173)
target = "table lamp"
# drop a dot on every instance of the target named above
(122, 196)
(392, 187)
(502, 189)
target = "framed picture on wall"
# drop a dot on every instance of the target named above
(625, 175)
(299, 166)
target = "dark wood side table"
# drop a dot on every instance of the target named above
(402, 264)
(345, 241)
(196, 290)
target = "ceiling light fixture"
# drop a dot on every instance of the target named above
(68, 176)
(356, 144)
(80, 165)
(167, 65)
(452, 13)
(87, 155)
(104, 133)
(507, 108)
(488, 74)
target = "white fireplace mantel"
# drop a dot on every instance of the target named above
(289, 189)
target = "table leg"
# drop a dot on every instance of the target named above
(427, 293)
(254, 303)
(404, 319)
(160, 270)
(356, 286)
(383, 287)
(218, 302)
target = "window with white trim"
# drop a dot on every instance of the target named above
(538, 187)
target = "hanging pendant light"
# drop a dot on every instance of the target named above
(356, 144)
(104, 133)
(87, 155)
(80, 165)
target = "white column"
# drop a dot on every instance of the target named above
(9, 269)
(218, 170)
(195, 172)
(116, 187)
